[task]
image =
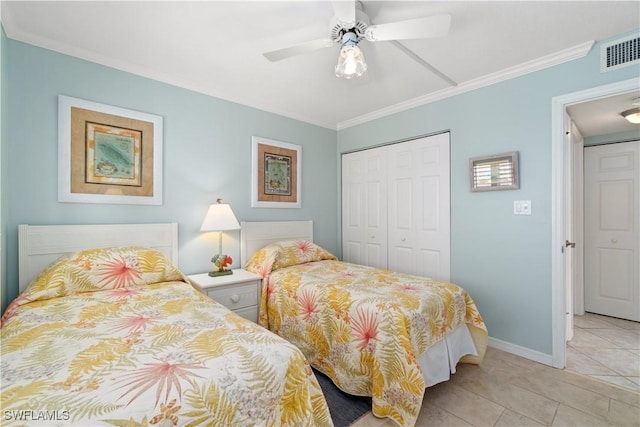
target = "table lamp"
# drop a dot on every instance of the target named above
(220, 218)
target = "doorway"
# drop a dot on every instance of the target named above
(561, 270)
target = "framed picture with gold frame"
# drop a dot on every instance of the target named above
(276, 179)
(108, 154)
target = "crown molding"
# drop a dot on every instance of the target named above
(551, 60)
(548, 61)
(146, 72)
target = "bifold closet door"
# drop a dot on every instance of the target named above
(396, 207)
(364, 214)
(418, 200)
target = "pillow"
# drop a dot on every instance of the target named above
(102, 269)
(284, 254)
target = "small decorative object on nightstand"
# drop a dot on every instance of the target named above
(239, 292)
(220, 218)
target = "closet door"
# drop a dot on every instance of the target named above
(419, 207)
(364, 214)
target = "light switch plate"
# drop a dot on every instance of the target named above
(522, 207)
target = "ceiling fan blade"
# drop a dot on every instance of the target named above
(288, 52)
(345, 11)
(420, 28)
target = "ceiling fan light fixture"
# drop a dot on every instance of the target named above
(351, 61)
(632, 115)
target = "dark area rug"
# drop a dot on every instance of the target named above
(344, 408)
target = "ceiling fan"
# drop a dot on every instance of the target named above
(350, 25)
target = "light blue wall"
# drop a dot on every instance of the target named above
(207, 154)
(612, 138)
(503, 260)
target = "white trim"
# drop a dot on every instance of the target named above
(557, 234)
(150, 73)
(547, 61)
(566, 55)
(558, 107)
(518, 350)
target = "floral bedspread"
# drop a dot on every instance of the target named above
(118, 338)
(361, 326)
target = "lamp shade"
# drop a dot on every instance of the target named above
(351, 61)
(220, 217)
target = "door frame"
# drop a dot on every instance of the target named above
(559, 106)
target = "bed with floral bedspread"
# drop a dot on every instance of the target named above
(363, 327)
(118, 337)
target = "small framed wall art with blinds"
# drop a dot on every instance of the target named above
(495, 172)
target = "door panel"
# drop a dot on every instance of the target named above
(364, 215)
(430, 204)
(612, 237)
(616, 210)
(402, 197)
(404, 255)
(616, 263)
(419, 220)
(430, 262)
(374, 203)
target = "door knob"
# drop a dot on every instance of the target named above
(568, 244)
(614, 240)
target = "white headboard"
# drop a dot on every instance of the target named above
(40, 245)
(256, 235)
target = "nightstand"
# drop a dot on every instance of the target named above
(238, 292)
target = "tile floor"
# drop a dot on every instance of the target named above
(507, 390)
(606, 348)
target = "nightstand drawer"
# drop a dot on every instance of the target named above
(239, 291)
(249, 313)
(235, 297)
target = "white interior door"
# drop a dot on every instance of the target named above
(419, 207)
(612, 237)
(364, 214)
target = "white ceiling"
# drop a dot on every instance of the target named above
(602, 116)
(215, 47)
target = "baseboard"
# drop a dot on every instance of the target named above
(518, 350)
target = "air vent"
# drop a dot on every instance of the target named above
(620, 53)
